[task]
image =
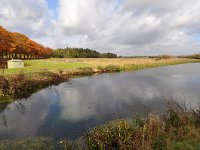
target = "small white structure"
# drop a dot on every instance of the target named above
(15, 63)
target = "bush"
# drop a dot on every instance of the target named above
(179, 128)
(4, 86)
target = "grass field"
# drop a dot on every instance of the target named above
(44, 65)
(125, 64)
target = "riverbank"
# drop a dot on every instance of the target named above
(177, 129)
(38, 74)
(22, 85)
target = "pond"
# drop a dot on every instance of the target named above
(71, 108)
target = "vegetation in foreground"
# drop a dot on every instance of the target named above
(38, 74)
(177, 129)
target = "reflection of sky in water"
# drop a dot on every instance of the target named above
(71, 108)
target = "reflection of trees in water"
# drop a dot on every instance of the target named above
(4, 120)
(3, 107)
(54, 90)
(19, 105)
(3, 117)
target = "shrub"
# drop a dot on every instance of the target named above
(178, 129)
(4, 86)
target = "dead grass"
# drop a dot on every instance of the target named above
(95, 62)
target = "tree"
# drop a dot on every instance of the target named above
(16, 44)
(80, 53)
(7, 42)
(22, 44)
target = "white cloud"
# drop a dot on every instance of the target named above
(126, 27)
(30, 17)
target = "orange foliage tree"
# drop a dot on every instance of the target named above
(15, 44)
(7, 42)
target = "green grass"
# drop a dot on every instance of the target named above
(45, 65)
(70, 65)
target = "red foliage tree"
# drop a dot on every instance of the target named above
(16, 44)
(7, 42)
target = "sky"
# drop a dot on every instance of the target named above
(125, 27)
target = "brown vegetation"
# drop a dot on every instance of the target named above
(22, 86)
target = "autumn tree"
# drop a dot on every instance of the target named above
(22, 44)
(16, 44)
(7, 42)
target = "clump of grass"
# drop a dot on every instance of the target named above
(83, 71)
(179, 128)
(60, 71)
(112, 68)
(132, 67)
(109, 68)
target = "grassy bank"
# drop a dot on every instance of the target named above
(21, 85)
(177, 129)
(37, 74)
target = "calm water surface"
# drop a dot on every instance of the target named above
(71, 108)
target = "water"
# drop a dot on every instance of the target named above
(70, 109)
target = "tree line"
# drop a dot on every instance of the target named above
(17, 45)
(80, 53)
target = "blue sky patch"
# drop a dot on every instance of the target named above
(52, 4)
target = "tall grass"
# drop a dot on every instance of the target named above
(178, 128)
